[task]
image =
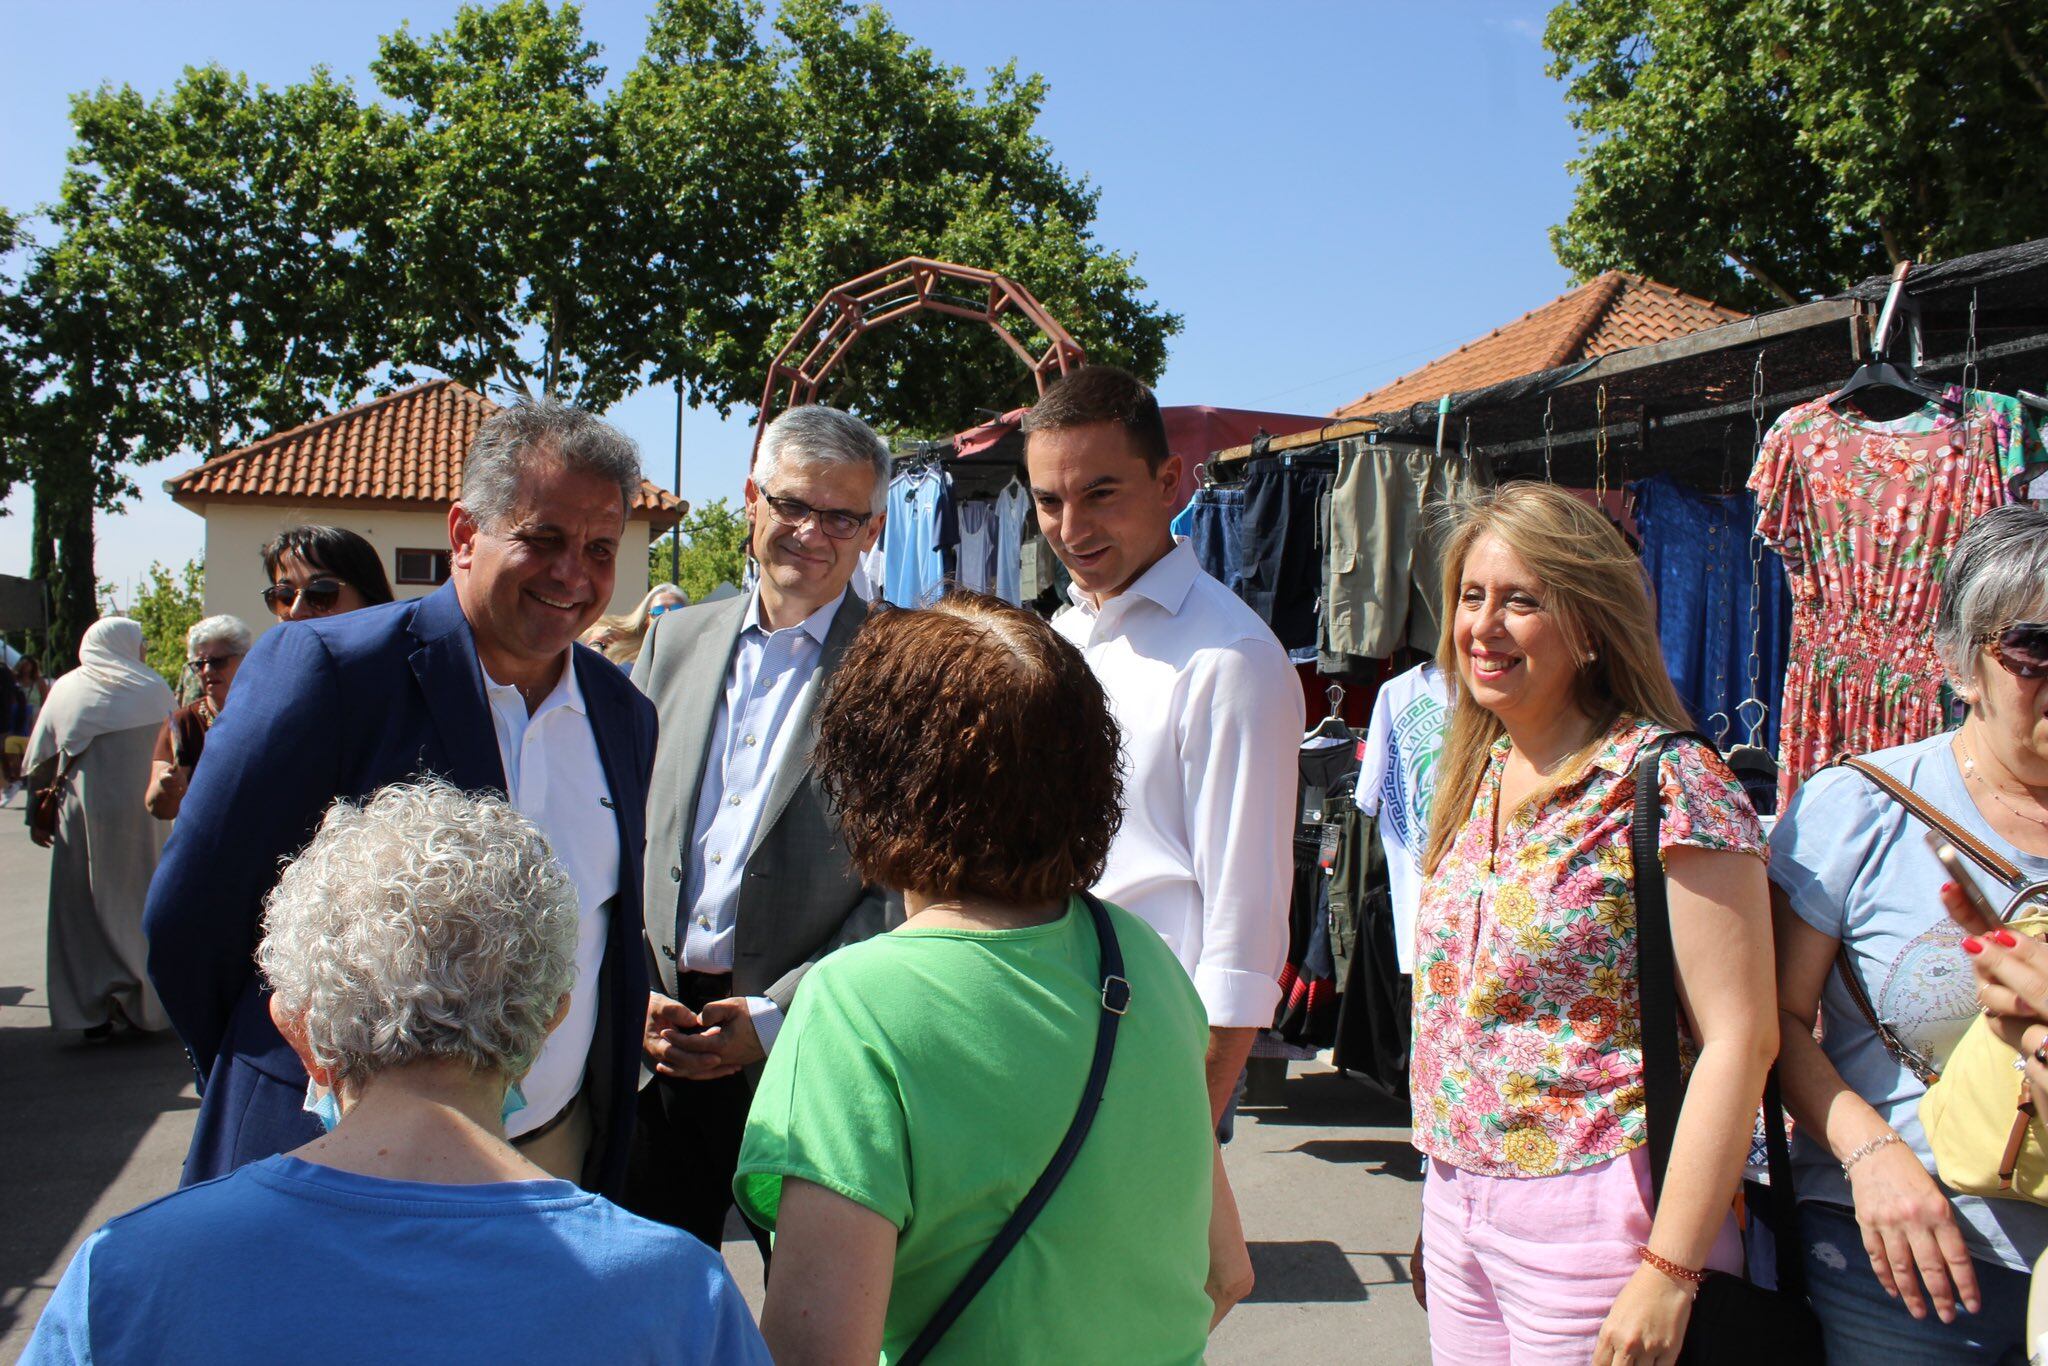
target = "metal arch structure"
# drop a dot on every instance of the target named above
(911, 285)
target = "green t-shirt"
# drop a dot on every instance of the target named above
(930, 1074)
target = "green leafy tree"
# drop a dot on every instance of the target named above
(166, 608)
(1766, 151)
(202, 288)
(899, 155)
(511, 256)
(714, 551)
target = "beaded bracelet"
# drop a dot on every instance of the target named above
(1883, 1141)
(1684, 1275)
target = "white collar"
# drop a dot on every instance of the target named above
(1167, 582)
(567, 692)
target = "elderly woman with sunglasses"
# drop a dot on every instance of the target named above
(1899, 1268)
(213, 652)
(322, 571)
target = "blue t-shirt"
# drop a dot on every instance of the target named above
(1855, 865)
(287, 1261)
(922, 526)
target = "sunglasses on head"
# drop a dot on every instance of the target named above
(2021, 649)
(320, 595)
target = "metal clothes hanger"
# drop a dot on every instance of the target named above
(1332, 727)
(1899, 373)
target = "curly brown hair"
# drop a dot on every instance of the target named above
(970, 751)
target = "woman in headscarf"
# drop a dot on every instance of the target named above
(94, 738)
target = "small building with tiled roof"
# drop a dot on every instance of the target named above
(387, 470)
(1608, 313)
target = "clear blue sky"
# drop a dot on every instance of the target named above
(1328, 193)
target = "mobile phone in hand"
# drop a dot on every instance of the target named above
(1982, 919)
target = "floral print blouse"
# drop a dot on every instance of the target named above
(1528, 1034)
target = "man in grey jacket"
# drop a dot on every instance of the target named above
(747, 882)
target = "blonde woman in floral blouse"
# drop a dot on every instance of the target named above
(1539, 1245)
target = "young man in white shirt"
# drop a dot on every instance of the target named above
(1210, 709)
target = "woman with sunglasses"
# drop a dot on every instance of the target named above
(321, 571)
(1898, 1268)
(618, 637)
(213, 652)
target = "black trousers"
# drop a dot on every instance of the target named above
(686, 1143)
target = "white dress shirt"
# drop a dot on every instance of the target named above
(555, 779)
(750, 738)
(1211, 714)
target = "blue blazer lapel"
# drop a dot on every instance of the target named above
(611, 727)
(444, 661)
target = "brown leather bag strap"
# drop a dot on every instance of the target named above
(1987, 858)
(1982, 854)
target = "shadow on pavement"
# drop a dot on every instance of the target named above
(1317, 1099)
(1393, 1156)
(71, 1116)
(1302, 1273)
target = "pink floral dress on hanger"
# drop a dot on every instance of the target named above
(1865, 515)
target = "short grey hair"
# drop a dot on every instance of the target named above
(1996, 575)
(423, 923)
(530, 430)
(815, 434)
(229, 631)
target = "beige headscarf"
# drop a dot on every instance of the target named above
(110, 690)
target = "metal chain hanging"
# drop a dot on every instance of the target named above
(1600, 449)
(1549, 429)
(1754, 666)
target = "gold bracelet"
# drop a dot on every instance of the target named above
(1684, 1275)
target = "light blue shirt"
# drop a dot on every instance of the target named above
(750, 735)
(921, 523)
(1855, 865)
(384, 1270)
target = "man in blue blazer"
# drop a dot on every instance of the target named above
(481, 683)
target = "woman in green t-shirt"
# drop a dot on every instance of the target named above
(925, 1077)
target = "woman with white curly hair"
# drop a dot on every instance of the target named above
(418, 951)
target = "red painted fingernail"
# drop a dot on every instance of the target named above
(1972, 946)
(1949, 889)
(2003, 938)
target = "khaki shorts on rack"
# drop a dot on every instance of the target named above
(1384, 573)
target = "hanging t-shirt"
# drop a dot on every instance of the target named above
(1396, 781)
(922, 526)
(929, 1074)
(977, 545)
(1865, 515)
(1013, 513)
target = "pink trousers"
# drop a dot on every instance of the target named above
(1522, 1272)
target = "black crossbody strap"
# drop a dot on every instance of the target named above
(1657, 988)
(1116, 999)
(1656, 984)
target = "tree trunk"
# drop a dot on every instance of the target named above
(62, 557)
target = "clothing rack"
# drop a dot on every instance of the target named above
(1299, 441)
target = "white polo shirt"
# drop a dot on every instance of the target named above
(555, 779)
(1211, 714)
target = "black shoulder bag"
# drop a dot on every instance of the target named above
(1116, 999)
(1734, 1320)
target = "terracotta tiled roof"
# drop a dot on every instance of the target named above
(1609, 313)
(405, 447)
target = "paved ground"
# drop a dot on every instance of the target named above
(1330, 1188)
